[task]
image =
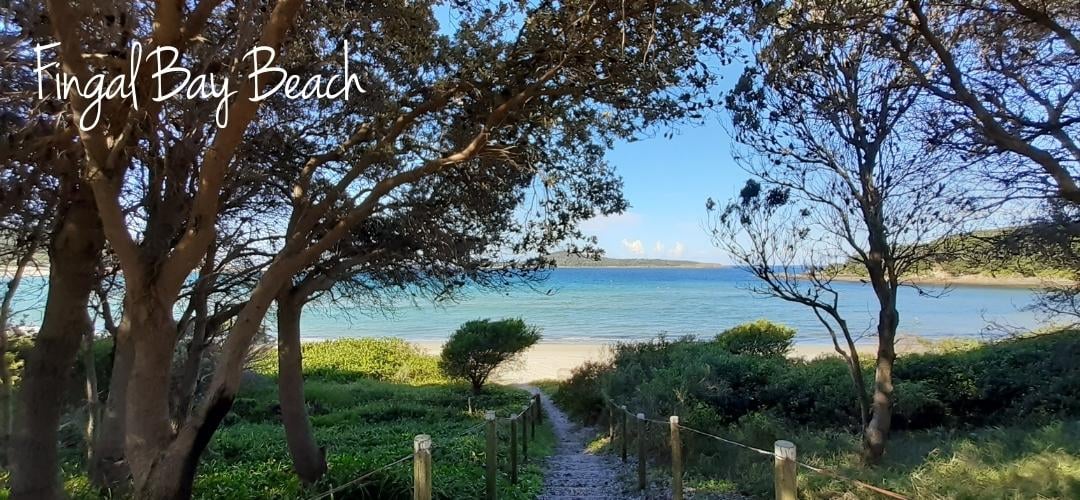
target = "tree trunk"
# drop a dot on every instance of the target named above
(172, 476)
(93, 397)
(186, 385)
(108, 469)
(147, 418)
(877, 431)
(74, 251)
(308, 459)
(5, 372)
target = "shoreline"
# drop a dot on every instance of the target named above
(970, 280)
(556, 360)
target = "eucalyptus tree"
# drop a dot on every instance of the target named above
(507, 79)
(823, 117)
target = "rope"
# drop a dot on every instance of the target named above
(336, 489)
(835, 475)
(728, 441)
(811, 468)
(330, 493)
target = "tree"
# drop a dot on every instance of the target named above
(440, 237)
(510, 82)
(1005, 75)
(481, 346)
(1004, 81)
(823, 115)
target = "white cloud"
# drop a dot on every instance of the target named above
(658, 249)
(635, 247)
(678, 250)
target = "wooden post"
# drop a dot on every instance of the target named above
(676, 460)
(784, 470)
(641, 451)
(622, 432)
(492, 453)
(525, 435)
(611, 422)
(539, 410)
(534, 417)
(422, 467)
(513, 449)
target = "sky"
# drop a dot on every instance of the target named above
(667, 182)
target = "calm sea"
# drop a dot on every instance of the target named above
(607, 304)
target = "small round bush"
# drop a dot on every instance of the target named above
(759, 338)
(480, 346)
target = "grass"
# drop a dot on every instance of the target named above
(998, 420)
(363, 422)
(1019, 462)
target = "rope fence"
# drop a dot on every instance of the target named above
(523, 422)
(784, 455)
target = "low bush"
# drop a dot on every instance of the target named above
(994, 384)
(480, 347)
(758, 338)
(581, 394)
(949, 395)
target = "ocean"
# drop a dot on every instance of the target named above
(612, 304)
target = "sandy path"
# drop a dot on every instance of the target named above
(572, 473)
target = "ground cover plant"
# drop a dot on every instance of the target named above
(971, 420)
(367, 399)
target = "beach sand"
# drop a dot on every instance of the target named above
(555, 360)
(546, 360)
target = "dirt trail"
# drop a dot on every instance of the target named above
(573, 473)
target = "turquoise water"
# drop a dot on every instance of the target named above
(607, 304)
(603, 305)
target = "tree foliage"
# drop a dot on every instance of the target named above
(481, 346)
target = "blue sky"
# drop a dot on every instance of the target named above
(667, 183)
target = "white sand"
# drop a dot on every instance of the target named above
(555, 360)
(546, 360)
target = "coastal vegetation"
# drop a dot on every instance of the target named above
(177, 241)
(986, 414)
(413, 189)
(480, 347)
(367, 399)
(996, 253)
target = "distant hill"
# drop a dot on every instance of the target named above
(563, 259)
(1019, 253)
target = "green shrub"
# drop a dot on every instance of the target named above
(941, 399)
(816, 392)
(580, 395)
(1003, 382)
(758, 338)
(479, 347)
